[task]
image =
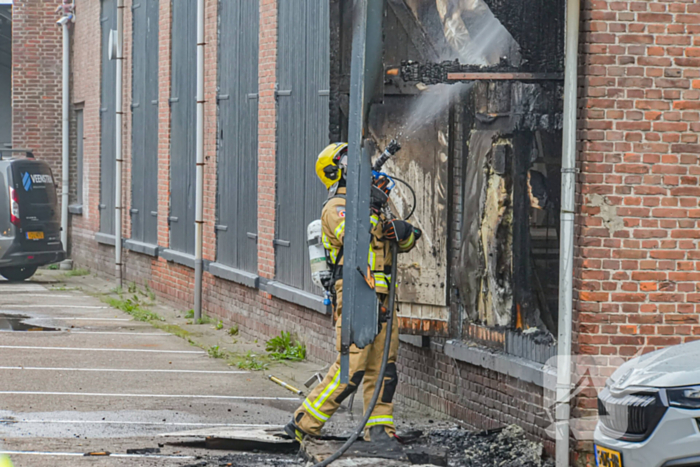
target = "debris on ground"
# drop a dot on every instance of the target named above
(503, 447)
(382, 454)
(144, 451)
(249, 460)
(540, 336)
(506, 447)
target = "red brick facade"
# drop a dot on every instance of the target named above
(267, 138)
(637, 258)
(637, 240)
(37, 52)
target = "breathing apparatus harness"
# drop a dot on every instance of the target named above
(324, 271)
(381, 189)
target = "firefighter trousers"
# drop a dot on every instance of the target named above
(365, 365)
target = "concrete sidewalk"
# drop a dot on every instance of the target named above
(103, 381)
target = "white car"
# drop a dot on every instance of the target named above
(650, 411)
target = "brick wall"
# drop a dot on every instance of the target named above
(164, 32)
(267, 115)
(127, 116)
(85, 92)
(37, 51)
(637, 255)
(210, 121)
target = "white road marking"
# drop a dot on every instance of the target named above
(22, 288)
(69, 331)
(83, 307)
(82, 454)
(161, 396)
(42, 295)
(85, 349)
(120, 370)
(120, 422)
(122, 333)
(85, 319)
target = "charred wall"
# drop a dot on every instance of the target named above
(538, 27)
(529, 35)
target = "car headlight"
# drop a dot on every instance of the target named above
(685, 398)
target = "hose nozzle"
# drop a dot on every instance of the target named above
(390, 150)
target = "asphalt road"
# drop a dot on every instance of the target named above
(104, 382)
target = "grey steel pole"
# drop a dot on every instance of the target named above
(199, 210)
(118, 146)
(566, 242)
(65, 172)
(359, 318)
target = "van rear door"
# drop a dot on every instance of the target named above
(38, 204)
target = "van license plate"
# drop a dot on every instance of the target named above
(35, 235)
(605, 457)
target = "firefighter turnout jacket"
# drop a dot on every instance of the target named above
(379, 255)
(365, 363)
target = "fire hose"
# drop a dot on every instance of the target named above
(388, 152)
(382, 370)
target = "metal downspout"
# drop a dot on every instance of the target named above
(118, 152)
(65, 168)
(566, 245)
(199, 210)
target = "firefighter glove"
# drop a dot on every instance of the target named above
(397, 230)
(378, 199)
(417, 233)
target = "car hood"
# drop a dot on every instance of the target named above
(669, 367)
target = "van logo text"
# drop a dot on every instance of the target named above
(29, 180)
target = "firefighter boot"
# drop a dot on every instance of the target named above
(382, 439)
(293, 431)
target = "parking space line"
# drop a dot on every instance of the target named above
(82, 454)
(86, 349)
(85, 319)
(121, 422)
(22, 288)
(125, 370)
(154, 396)
(82, 307)
(70, 331)
(43, 295)
(122, 333)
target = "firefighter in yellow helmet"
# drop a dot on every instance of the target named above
(325, 399)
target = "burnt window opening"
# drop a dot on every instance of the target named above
(501, 166)
(545, 182)
(465, 30)
(506, 266)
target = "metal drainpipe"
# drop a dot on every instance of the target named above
(566, 243)
(65, 172)
(199, 210)
(118, 151)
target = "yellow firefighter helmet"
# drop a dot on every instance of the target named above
(5, 461)
(331, 163)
